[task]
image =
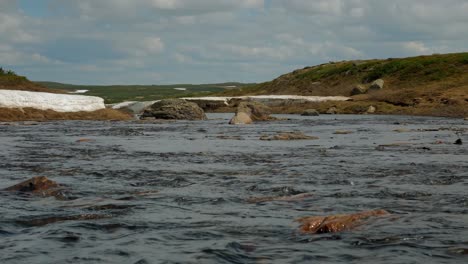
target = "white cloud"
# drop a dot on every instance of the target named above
(416, 47)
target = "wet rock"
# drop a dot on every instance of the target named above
(371, 110)
(251, 111)
(337, 223)
(84, 140)
(175, 109)
(342, 132)
(310, 112)
(41, 186)
(291, 198)
(377, 85)
(358, 89)
(289, 136)
(458, 251)
(458, 142)
(332, 111)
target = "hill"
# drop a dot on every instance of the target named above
(11, 81)
(119, 93)
(432, 85)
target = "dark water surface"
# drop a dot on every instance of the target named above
(177, 192)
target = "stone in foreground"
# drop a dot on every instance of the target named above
(249, 112)
(337, 223)
(41, 186)
(175, 109)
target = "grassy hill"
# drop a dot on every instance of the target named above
(413, 85)
(119, 93)
(11, 81)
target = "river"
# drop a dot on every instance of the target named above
(180, 192)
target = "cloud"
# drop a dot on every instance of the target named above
(170, 41)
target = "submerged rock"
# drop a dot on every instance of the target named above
(41, 186)
(458, 142)
(289, 136)
(176, 109)
(337, 223)
(310, 112)
(342, 132)
(251, 111)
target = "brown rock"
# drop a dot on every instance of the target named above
(289, 136)
(251, 111)
(337, 223)
(38, 186)
(175, 109)
(332, 111)
(83, 140)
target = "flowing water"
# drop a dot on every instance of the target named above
(180, 192)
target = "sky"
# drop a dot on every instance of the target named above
(208, 41)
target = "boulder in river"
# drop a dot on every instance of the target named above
(371, 110)
(251, 111)
(310, 112)
(337, 223)
(175, 109)
(41, 186)
(376, 85)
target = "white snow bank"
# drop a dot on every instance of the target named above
(80, 91)
(180, 89)
(273, 97)
(50, 101)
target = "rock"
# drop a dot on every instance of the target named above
(310, 112)
(41, 186)
(175, 109)
(358, 89)
(371, 109)
(84, 140)
(251, 111)
(342, 132)
(289, 136)
(466, 118)
(458, 142)
(241, 119)
(332, 111)
(337, 223)
(376, 85)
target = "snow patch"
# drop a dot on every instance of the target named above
(50, 101)
(80, 91)
(180, 89)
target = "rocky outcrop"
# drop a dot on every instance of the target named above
(175, 109)
(250, 111)
(358, 89)
(337, 223)
(310, 112)
(377, 85)
(40, 186)
(289, 136)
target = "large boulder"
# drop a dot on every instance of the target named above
(251, 111)
(176, 109)
(377, 85)
(337, 223)
(358, 89)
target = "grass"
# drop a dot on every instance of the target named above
(119, 93)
